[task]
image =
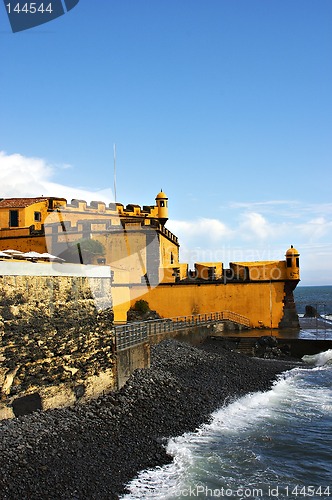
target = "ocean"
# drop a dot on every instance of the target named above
(319, 297)
(274, 444)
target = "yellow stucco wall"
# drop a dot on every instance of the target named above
(37, 244)
(203, 269)
(126, 251)
(74, 216)
(168, 274)
(261, 302)
(168, 251)
(260, 270)
(121, 303)
(27, 214)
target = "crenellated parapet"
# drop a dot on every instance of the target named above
(111, 210)
(21, 213)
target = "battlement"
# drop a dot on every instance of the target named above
(25, 212)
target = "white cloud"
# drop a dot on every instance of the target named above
(284, 208)
(254, 224)
(288, 209)
(22, 176)
(261, 204)
(212, 230)
(316, 228)
(317, 208)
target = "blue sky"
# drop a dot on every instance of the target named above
(225, 104)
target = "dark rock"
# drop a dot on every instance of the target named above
(133, 316)
(311, 312)
(268, 341)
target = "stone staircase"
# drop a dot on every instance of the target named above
(243, 345)
(246, 346)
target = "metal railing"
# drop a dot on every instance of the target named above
(135, 333)
(130, 334)
(236, 318)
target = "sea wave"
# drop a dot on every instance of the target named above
(165, 482)
(321, 359)
(248, 441)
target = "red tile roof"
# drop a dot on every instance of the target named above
(20, 202)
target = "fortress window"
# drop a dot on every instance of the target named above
(297, 262)
(289, 261)
(162, 203)
(37, 216)
(13, 218)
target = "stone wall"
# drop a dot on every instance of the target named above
(56, 341)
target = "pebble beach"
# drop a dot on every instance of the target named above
(93, 450)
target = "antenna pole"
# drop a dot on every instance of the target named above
(114, 160)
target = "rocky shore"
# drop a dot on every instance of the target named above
(91, 451)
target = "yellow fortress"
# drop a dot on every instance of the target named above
(144, 259)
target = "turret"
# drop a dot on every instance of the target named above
(162, 205)
(292, 264)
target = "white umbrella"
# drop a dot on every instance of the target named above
(50, 256)
(3, 254)
(31, 255)
(12, 252)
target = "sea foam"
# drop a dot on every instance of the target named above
(320, 359)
